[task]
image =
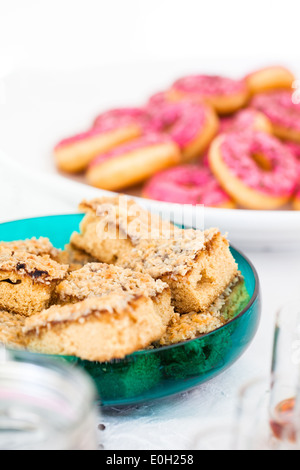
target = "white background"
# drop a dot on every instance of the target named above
(82, 33)
(67, 33)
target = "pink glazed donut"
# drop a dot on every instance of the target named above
(223, 94)
(187, 184)
(191, 125)
(284, 115)
(295, 148)
(246, 119)
(110, 129)
(269, 78)
(255, 169)
(133, 162)
(121, 116)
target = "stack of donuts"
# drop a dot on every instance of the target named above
(206, 140)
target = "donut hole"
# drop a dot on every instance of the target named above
(167, 121)
(168, 125)
(262, 162)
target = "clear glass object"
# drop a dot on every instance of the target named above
(250, 427)
(285, 399)
(267, 409)
(254, 429)
(46, 407)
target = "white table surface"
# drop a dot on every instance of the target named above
(174, 422)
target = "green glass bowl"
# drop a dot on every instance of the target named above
(155, 373)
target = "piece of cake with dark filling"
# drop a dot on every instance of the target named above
(27, 281)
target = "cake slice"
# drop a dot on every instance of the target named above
(114, 225)
(96, 329)
(189, 326)
(198, 266)
(11, 330)
(98, 279)
(27, 281)
(192, 325)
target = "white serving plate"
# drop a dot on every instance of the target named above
(43, 106)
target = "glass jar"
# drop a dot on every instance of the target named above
(285, 390)
(46, 407)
